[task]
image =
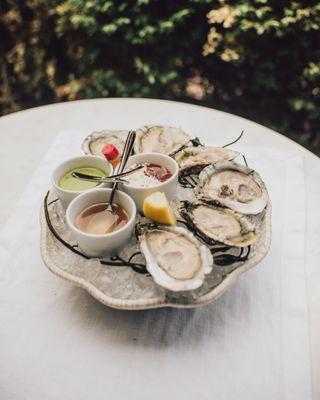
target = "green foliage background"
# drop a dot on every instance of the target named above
(256, 58)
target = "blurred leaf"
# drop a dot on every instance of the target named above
(256, 58)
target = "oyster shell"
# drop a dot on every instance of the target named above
(174, 258)
(94, 143)
(194, 159)
(217, 224)
(232, 185)
(159, 139)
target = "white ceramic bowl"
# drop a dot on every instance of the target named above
(96, 245)
(169, 187)
(66, 196)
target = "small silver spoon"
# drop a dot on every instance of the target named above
(108, 179)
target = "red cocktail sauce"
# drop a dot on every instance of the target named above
(157, 171)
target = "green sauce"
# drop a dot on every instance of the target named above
(68, 182)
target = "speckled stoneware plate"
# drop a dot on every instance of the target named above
(123, 288)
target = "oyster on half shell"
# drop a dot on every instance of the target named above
(232, 185)
(174, 258)
(95, 142)
(193, 159)
(217, 224)
(159, 139)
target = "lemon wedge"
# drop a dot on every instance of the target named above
(157, 208)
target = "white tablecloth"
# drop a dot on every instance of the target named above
(252, 343)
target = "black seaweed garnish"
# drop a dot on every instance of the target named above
(235, 141)
(195, 142)
(187, 182)
(228, 259)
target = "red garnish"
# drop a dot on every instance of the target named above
(110, 152)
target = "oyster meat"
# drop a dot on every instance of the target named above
(159, 139)
(217, 224)
(95, 142)
(193, 159)
(174, 258)
(232, 185)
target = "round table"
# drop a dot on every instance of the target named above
(26, 135)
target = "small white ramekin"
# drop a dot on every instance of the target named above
(169, 187)
(96, 245)
(66, 196)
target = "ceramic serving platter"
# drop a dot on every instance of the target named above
(123, 288)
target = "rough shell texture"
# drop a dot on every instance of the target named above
(194, 159)
(232, 185)
(159, 139)
(94, 143)
(176, 247)
(217, 224)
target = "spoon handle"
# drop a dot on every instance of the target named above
(97, 179)
(125, 155)
(108, 179)
(127, 150)
(131, 171)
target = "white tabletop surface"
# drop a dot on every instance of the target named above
(27, 135)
